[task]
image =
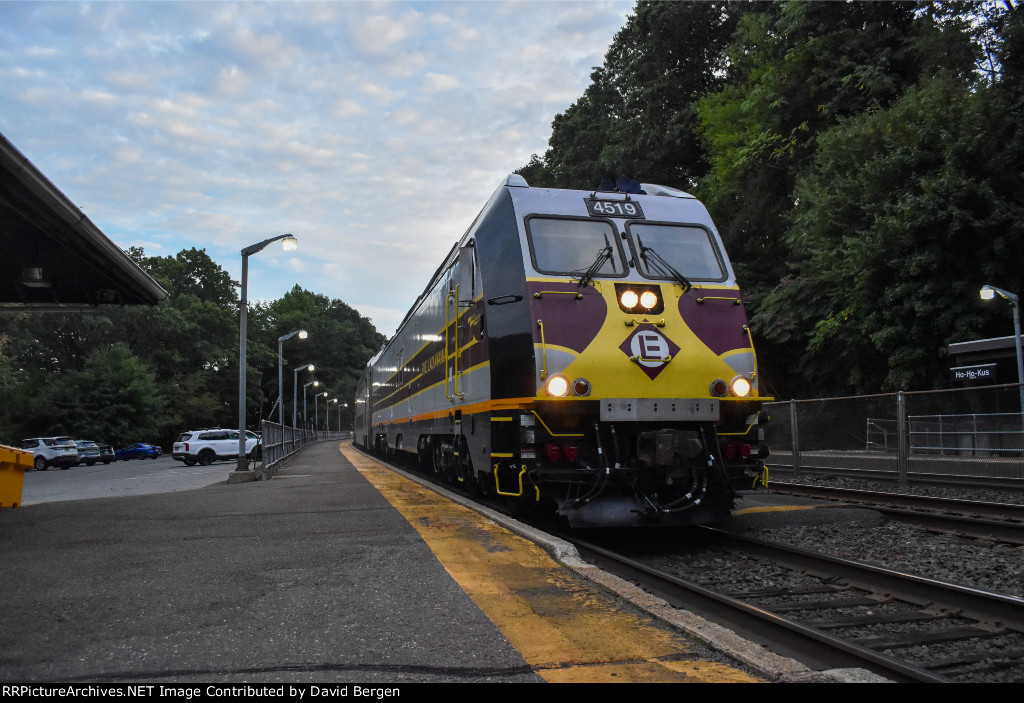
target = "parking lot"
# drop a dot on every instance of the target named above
(120, 478)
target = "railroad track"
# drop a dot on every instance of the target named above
(841, 614)
(1002, 522)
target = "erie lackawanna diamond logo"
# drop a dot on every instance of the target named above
(649, 349)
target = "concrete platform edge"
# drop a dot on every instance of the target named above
(771, 666)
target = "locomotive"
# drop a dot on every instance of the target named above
(586, 350)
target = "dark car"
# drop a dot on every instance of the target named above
(107, 454)
(139, 450)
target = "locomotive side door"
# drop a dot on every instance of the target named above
(451, 335)
(467, 285)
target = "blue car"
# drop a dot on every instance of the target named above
(138, 450)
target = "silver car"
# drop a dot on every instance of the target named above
(88, 452)
(206, 446)
(52, 451)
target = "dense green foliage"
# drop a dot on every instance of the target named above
(863, 162)
(145, 374)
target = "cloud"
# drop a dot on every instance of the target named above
(374, 131)
(439, 82)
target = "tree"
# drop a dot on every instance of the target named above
(797, 70)
(905, 213)
(113, 398)
(637, 117)
(340, 342)
(190, 340)
(147, 373)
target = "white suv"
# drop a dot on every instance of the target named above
(52, 451)
(206, 446)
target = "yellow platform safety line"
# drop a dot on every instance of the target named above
(772, 509)
(566, 629)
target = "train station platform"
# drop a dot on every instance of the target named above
(335, 570)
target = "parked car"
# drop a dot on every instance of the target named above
(107, 454)
(206, 446)
(88, 452)
(139, 450)
(52, 451)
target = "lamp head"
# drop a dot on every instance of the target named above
(303, 334)
(989, 292)
(290, 243)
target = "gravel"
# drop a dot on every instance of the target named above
(985, 495)
(864, 535)
(977, 563)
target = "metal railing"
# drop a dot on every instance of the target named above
(279, 442)
(968, 434)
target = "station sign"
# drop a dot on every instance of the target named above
(982, 372)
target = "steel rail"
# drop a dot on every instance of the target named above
(813, 647)
(1003, 511)
(1010, 533)
(916, 477)
(980, 520)
(971, 602)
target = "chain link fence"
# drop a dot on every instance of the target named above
(967, 435)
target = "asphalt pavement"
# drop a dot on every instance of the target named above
(311, 576)
(336, 570)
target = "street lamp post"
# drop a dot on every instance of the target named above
(295, 391)
(990, 292)
(280, 373)
(305, 415)
(289, 243)
(316, 410)
(335, 401)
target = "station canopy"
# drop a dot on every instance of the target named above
(53, 257)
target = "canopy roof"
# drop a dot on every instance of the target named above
(52, 257)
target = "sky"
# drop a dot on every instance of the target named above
(372, 131)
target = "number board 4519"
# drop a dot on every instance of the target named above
(614, 208)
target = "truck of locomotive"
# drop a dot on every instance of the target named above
(585, 350)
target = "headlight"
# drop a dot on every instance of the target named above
(740, 387)
(557, 386)
(718, 388)
(637, 299)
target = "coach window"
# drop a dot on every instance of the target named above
(566, 246)
(689, 249)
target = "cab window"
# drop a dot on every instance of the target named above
(689, 249)
(567, 246)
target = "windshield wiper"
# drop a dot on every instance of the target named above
(658, 265)
(602, 258)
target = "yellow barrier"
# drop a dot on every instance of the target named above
(13, 463)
